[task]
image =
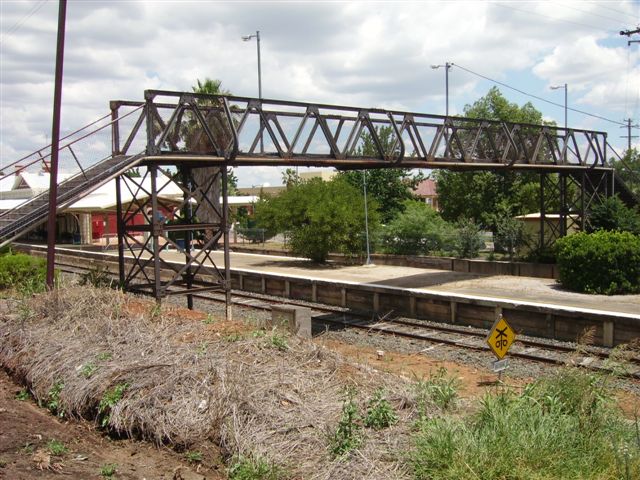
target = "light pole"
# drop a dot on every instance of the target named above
(247, 38)
(366, 217)
(566, 90)
(446, 67)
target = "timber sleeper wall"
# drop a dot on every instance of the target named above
(541, 320)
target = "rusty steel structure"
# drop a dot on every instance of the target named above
(191, 139)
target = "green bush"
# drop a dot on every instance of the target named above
(601, 262)
(419, 230)
(613, 214)
(563, 427)
(468, 241)
(20, 270)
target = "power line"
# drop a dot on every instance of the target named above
(537, 97)
(553, 18)
(618, 11)
(611, 19)
(16, 26)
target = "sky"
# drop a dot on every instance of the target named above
(366, 54)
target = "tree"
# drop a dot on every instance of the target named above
(613, 215)
(475, 195)
(232, 182)
(290, 177)
(196, 141)
(390, 187)
(628, 169)
(319, 217)
(418, 230)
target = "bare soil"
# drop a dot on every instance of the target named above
(26, 429)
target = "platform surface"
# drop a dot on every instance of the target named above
(501, 287)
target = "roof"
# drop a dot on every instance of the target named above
(426, 188)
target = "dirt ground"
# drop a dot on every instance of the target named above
(26, 430)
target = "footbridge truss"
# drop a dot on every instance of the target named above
(188, 140)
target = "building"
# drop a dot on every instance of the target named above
(427, 191)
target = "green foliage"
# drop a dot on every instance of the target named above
(562, 427)
(22, 272)
(348, 432)
(509, 232)
(320, 217)
(254, 468)
(628, 169)
(601, 262)
(56, 448)
(23, 395)
(88, 369)
(97, 277)
(279, 341)
(380, 413)
(440, 389)
(193, 456)
(109, 400)
(290, 177)
(419, 230)
(108, 470)
(52, 401)
(468, 240)
(613, 214)
(475, 195)
(104, 356)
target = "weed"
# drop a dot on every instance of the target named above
(28, 448)
(279, 341)
(52, 402)
(232, 337)
(23, 395)
(258, 333)
(109, 400)
(440, 389)
(104, 356)
(108, 470)
(3, 463)
(156, 311)
(254, 468)
(209, 320)
(88, 369)
(347, 435)
(379, 414)
(202, 349)
(560, 427)
(193, 457)
(56, 448)
(97, 277)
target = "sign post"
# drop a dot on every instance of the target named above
(500, 338)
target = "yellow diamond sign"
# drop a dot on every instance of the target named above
(501, 337)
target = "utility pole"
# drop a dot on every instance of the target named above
(55, 144)
(628, 33)
(628, 136)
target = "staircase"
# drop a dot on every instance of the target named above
(26, 217)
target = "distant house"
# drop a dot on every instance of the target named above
(427, 192)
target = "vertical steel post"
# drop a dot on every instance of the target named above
(120, 230)
(188, 235)
(542, 210)
(227, 260)
(55, 145)
(155, 232)
(115, 130)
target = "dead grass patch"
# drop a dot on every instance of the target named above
(182, 379)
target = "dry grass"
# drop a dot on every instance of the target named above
(189, 380)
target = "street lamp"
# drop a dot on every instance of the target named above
(247, 38)
(366, 217)
(566, 90)
(446, 67)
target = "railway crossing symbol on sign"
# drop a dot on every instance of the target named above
(501, 337)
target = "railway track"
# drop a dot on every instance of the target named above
(525, 348)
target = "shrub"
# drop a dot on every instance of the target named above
(380, 413)
(562, 427)
(20, 270)
(254, 468)
(347, 435)
(419, 230)
(601, 262)
(468, 241)
(613, 214)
